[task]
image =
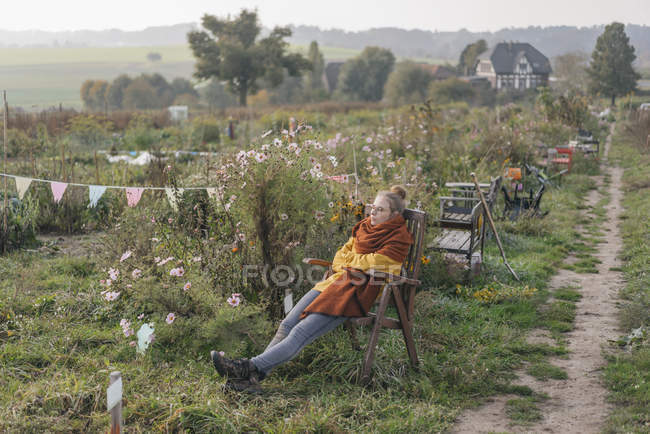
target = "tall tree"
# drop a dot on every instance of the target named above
(571, 70)
(314, 85)
(229, 49)
(469, 55)
(408, 84)
(115, 93)
(364, 77)
(611, 71)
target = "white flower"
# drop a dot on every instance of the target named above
(125, 255)
(390, 164)
(283, 216)
(332, 159)
(331, 204)
(319, 215)
(260, 157)
(265, 147)
(113, 273)
(241, 236)
(234, 300)
(277, 142)
(196, 259)
(136, 273)
(317, 167)
(111, 295)
(317, 145)
(267, 133)
(178, 272)
(369, 140)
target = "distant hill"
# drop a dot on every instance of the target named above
(551, 41)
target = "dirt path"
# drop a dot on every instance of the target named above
(577, 404)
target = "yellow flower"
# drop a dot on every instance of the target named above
(334, 218)
(425, 260)
(10, 333)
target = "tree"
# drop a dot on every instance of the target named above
(140, 95)
(182, 86)
(451, 90)
(570, 69)
(469, 55)
(229, 50)
(364, 77)
(408, 84)
(610, 71)
(314, 89)
(115, 93)
(154, 57)
(216, 95)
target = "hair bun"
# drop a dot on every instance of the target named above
(399, 190)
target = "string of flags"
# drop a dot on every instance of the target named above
(133, 194)
(95, 192)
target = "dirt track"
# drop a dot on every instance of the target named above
(577, 404)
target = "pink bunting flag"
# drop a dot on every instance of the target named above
(133, 196)
(58, 188)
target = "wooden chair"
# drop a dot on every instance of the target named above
(397, 290)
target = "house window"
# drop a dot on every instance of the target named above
(523, 68)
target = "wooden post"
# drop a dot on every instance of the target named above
(96, 169)
(114, 401)
(62, 162)
(4, 170)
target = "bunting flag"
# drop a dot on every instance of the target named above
(22, 184)
(58, 188)
(343, 179)
(95, 192)
(133, 196)
(172, 197)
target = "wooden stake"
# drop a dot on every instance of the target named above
(5, 231)
(486, 208)
(96, 169)
(116, 409)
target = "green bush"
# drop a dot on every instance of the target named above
(21, 223)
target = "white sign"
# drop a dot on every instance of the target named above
(288, 302)
(114, 394)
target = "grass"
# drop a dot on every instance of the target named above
(627, 374)
(544, 371)
(524, 411)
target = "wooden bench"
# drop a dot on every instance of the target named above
(461, 218)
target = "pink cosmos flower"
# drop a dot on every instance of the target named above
(178, 272)
(319, 215)
(187, 286)
(241, 236)
(170, 318)
(141, 316)
(126, 255)
(234, 300)
(133, 343)
(136, 273)
(170, 220)
(156, 259)
(369, 140)
(153, 220)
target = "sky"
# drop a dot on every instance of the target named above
(353, 15)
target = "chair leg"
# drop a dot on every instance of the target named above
(406, 326)
(374, 336)
(353, 335)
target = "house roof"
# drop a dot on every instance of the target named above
(506, 55)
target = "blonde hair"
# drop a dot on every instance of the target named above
(396, 198)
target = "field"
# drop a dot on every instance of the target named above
(79, 281)
(39, 78)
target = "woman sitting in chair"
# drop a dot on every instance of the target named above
(381, 242)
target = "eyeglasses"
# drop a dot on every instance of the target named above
(377, 209)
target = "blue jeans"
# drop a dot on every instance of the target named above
(295, 333)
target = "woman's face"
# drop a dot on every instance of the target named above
(380, 211)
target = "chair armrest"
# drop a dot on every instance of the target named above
(392, 278)
(314, 261)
